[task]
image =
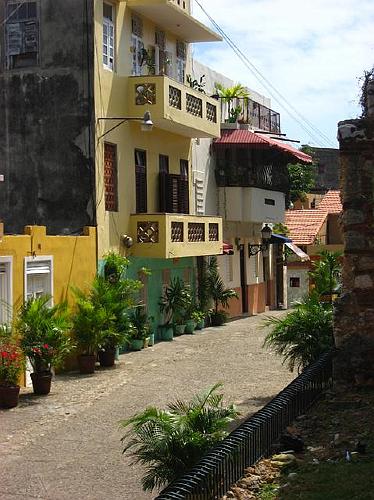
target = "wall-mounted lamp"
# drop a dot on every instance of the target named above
(261, 247)
(127, 241)
(146, 122)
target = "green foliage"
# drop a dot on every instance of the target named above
(229, 93)
(170, 442)
(43, 332)
(302, 177)
(12, 363)
(280, 228)
(303, 334)
(175, 301)
(326, 273)
(216, 287)
(198, 316)
(197, 84)
(115, 266)
(101, 319)
(139, 321)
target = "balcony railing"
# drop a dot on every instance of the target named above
(250, 113)
(174, 106)
(272, 177)
(175, 235)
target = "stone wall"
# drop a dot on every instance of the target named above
(354, 315)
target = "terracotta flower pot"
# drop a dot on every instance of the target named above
(107, 358)
(41, 383)
(87, 363)
(9, 396)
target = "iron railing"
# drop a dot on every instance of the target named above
(250, 112)
(219, 469)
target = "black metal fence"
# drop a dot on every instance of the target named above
(213, 476)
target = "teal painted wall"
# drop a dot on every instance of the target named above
(154, 282)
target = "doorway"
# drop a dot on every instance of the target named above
(243, 280)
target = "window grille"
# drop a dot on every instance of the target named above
(108, 36)
(110, 177)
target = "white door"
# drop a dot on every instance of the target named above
(6, 298)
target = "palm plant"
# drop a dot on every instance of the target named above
(217, 290)
(170, 442)
(326, 273)
(229, 94)
(43, 332)
(175, 301)
(303, 334)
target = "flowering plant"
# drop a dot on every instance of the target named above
(41, 357)
(12, 363)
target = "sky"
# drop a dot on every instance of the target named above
(314, 52)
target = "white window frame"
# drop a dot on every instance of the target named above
(8, 261)
(109, 48)
(137, 46)
(48, 259)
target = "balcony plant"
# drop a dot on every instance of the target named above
(196, 84)
(44, 338)
(12, 364)
(229, 95)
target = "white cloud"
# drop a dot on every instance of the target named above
(312, 51)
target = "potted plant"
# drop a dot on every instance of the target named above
(12, 364)
(44, 338)
(174, 303)
(199, 318)
(218, 293)
(139, 337)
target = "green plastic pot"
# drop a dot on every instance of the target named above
(190, 326)
(167, 332)
(137, 344)
(151, 340)
(200, 325)
(179, 329)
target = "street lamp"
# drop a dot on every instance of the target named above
(146, 122)
(261, 247)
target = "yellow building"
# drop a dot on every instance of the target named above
(143, 178)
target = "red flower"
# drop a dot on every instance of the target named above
(46, 346)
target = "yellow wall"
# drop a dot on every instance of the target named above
(74, 259)
(111, 100)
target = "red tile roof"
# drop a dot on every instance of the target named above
(246, 137)
(331, 202)
(304, 225)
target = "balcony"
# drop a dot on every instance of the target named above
(245, 111)
(174, 16)
(171, 236)
(174, 106)
(245, 204)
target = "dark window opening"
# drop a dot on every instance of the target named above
(141, 180)
(269, 201)
(295, 282)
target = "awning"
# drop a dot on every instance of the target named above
(297, 251)
(279, 239)
(228, 249)
(248, 138)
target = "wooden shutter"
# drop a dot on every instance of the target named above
(172, 193)
(141, 181)
(110, 178)
(183, 188)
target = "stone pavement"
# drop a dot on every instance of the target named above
(66, 446)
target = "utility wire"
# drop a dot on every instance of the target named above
(318, 136)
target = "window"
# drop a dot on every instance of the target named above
(181, 61)
(137, 45)
(141, 180)
(183, 188)
(21, 34)
(108, 36)
(295, 282)
(38, 276)
(6, 297)
(269, 201)
(110, 177)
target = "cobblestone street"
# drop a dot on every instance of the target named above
(67, 446)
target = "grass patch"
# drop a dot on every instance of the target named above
(268, 492)
(329, 481)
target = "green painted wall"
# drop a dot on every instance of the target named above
(154, 282)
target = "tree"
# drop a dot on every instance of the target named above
(170, 442)
(302, 177)
(326, 273)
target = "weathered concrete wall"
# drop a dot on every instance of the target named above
(354, 317)
(45, 125)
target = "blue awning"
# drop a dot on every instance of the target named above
(279, 239)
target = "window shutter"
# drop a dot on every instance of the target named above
(183, 205)
(141, 181)
(110, 178)
(172, 194)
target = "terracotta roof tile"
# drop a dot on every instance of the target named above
(304, 225)
(331, 202)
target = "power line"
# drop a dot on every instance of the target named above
(318, 136)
